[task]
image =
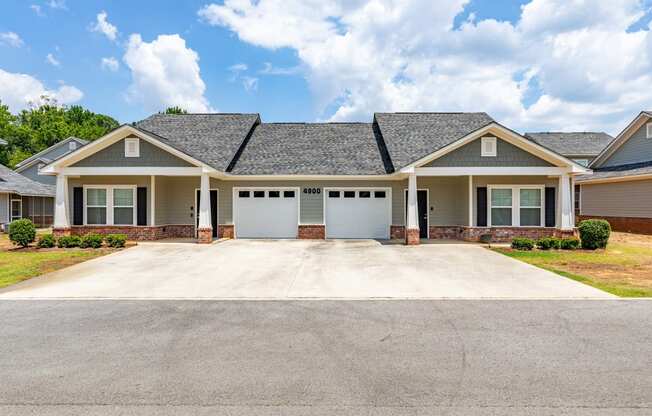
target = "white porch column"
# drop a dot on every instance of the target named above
(412, 226)
(572, 186)
(565, 202)
(152, 200)
(61, 220)
(470, 200)
(205, 202)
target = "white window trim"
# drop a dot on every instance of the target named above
(494, 146)
(136, 142)
(11, 214)
(109, 204)
(648, 130)
(516, 205)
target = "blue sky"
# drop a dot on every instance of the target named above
(534, 65)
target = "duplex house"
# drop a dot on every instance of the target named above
(620, 189)
(404, 175)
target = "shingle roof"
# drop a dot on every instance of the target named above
(312, 149)
(411, 136)
(572, 143)
(45, 151)
(621, 171)
(211, 138)
(13, 182)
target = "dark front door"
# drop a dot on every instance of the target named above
(422, 205)
(213, 211)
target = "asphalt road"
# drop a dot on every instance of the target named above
(326, 357)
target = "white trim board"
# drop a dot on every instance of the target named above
(109, 204)
(217, 210)
(493, 171)
(405, 190)
(516, 205)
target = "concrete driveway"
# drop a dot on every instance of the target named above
(255, 269)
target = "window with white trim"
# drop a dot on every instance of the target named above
(132, 147)
(520, 206)
(488, 147)
(110, 205)
(649, 130)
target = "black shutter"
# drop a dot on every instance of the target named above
(78, 206)
(481, 207)
(141, 204)
(551, 204)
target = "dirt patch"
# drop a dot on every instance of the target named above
(638, 275)
(642, 240)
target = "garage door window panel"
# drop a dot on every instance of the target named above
(274, 194)
(349, 194)
(259, 194)
(365, 194)
(379, 194)
(333, 194)
(288, 194)
(243, 194)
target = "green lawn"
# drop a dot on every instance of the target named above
(623, 269)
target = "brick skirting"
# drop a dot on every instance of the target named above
(141, 233)
(412, 236)
(498, 234)
(225, 231)
(397, 232)
(312, 232)
(624, 224)
(204, 235)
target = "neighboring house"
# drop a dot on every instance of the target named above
(21, 197)
(30, 166)
(620, 190)
(404, 175)
(581, 147)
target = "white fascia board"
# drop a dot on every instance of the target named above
(111, 138)
(129, 171)
(493, 171)
(393, 176)
(510, 137)
(28, 165)
(622, 137)
(614, 179)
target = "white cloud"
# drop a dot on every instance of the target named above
(19, 90)
(103, 26)
(57, 4)
(11, 39)
(52, 60)
(37, 9)
(269, 69)
(564, 64)
(250, 83)
(238, 68)
(165, 73)
(110, 64)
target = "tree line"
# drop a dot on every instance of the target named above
(39, 127)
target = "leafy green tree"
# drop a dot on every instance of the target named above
(175, 110)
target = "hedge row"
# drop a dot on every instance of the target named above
(594, 234)
(22, 232)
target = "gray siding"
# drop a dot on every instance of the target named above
(483, 181)
(175, 201)
(470, 155)
(140, 181)
(637, 149)
(447, 200)
(617, 199)
(32, 173)
(4, 208)
(59, 151)
(114, 155)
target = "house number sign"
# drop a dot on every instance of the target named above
(312, 190)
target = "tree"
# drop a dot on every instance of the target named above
(39, 127)
(175, 110)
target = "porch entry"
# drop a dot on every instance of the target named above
(422, 206)
(213, 211)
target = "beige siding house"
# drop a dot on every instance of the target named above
(404, 175)
(620, 190)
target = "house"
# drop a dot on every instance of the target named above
(581, 147)
(403, 175)
(21, 197)
(26, 194)
(30, 166)
(620, 189)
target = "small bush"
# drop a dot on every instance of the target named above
(116, 240)
(547, 243)
(571, 243)
(522, 243)
(594, 234)
(46, 241)
(69, 241)
(22, 232)
(91, 241)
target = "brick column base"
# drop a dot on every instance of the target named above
(205, 235)
(60, 232)
(412, 237)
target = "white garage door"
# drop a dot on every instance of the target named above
(358, 213)
(266, 212)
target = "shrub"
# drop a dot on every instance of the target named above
(91, 241)
(547, 243)
(116, 240)
(69, 241)
(46, 241)
(22, 232)
(571, 243)
(520, 243)
(594, 234)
